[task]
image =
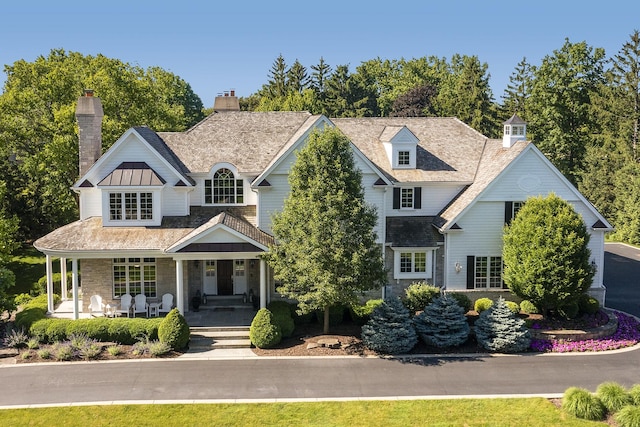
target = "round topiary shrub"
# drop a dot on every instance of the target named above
(528, 307)
(418, 295)
(462, 299)
(281, 311)
(588, 304)
(580, 403)
(482, 304)
(629, 416)
(613, 396)
(174, 330)
(390, 330)
(499, 329)
(513, 306)
(442, 323)
(264, 332)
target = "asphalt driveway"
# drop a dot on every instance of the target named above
(622, 278)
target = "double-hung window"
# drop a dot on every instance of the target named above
(485, 272)
(407, 198)
(412, 263)
(134, 276)
(404, 158)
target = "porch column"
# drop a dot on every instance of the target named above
(63, 279)
(74, 287)
(263, 284)
(179, 286)
(49, 284)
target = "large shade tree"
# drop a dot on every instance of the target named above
(546, 254)
(326, 252)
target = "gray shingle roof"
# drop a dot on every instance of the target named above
(248, 140)
(417, 232)
(159, 145)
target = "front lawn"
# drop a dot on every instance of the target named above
(464, 412)
(29, 266)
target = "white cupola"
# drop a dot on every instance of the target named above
(400, 145)
(515, 129)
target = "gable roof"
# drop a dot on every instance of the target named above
(448, 150)
(248, 140)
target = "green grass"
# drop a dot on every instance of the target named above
(29, 266)
(463, 412)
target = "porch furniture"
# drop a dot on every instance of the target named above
(96, 306)
(167, 304)
(125, 305)
(140, 305)
(153, 309)
(110, 310)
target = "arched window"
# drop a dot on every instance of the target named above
(223, 189)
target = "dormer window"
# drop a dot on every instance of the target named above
(223, 189)
(130, 206)
(404, 158)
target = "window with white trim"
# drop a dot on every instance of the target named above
(134, 276)
(223, 189)
(210, 268)
(406, 198)
(488, 272)
(130, 206)
(239, 267)
(412, 264)
(404, 158)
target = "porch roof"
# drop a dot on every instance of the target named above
(415, 232)
(90, 236)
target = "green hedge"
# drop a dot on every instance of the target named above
(33, 311)
(121, 330)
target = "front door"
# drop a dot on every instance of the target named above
(225, 277)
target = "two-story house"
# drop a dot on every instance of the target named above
(188, 212)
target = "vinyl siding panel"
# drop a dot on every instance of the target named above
(435, 196)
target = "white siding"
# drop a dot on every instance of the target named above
(435, 196)
(174, 202)
(90, 202)
(220, 235)
(481, 236)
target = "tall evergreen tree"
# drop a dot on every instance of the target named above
(326, 252)
(559, 108)
(297, 78)
(518, 90)
(277, 84)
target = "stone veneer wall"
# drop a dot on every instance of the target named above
(397, 287)
(97, 279)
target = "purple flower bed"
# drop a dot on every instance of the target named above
(626, 335)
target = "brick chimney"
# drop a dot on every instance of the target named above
(226, 102)
(89, 115)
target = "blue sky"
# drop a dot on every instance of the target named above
(218, 46)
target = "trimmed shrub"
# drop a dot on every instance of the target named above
(588, 304)
(418, 295)
(629, 416)
(174, 330)
(281, 311)
(360, 314)
(463, 300)
(22, 299)
(390, 329)
(264, 332)
(570, 310)
(442, 323)
(57, 283)
(57, 329)
(513, 306)
(613, 396)
(580, 403)
(482, 304)
(528, 307)
(34, 310)
(499, 329)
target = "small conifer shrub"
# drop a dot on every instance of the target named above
(390, 329)
(499, 329)
(482, 304)
(443, 323)
(528, 307)
(580, 403)
(264, 331)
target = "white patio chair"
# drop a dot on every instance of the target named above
(96, 306)
(125, 305)
(167, 303)
(140, 305)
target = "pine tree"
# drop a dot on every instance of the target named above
(390, 330)
(499, 329)
(443, 323)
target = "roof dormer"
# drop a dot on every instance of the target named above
(515, 129)
(400, 144)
